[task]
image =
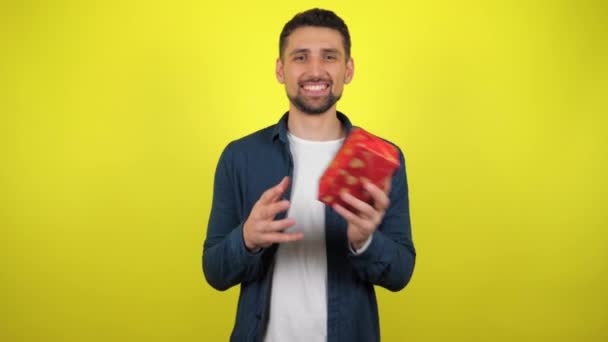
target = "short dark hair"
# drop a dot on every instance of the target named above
(315, 17)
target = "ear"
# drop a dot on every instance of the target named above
(350, 71)
(279, 71)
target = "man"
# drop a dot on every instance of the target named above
(307, 271)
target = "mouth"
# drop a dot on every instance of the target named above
(315, 88)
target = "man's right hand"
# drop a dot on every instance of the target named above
(261, 229)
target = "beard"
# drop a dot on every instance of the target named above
(307, 107)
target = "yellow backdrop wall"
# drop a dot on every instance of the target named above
(113, 115)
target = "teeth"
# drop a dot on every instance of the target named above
(315, 87)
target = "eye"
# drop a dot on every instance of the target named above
(331, 57)
(299, 58)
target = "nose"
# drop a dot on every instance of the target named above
(315, 67)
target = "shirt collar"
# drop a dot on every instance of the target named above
(280, 129)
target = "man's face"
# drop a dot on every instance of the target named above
(314, 69)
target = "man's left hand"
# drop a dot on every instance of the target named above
(368, 217)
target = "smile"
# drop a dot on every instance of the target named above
(315, 88)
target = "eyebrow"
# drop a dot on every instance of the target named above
(297, 51)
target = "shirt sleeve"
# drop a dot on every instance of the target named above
(389, 259)
(226, 260)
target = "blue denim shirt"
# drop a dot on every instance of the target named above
(251, 165)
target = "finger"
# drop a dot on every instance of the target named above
(363, 209)
(388, 184)
(349, 216)
(279, 225)
(381, 200)
(283, 237)
(275, 192)
(269, 211)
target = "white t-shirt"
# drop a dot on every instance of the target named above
(298, 304)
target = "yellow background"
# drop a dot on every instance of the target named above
(113, 115)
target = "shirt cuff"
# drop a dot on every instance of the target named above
(249, 251)
(363, 248)
(254, 251)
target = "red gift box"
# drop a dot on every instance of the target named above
(362, 158)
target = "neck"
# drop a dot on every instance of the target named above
(318, 127)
